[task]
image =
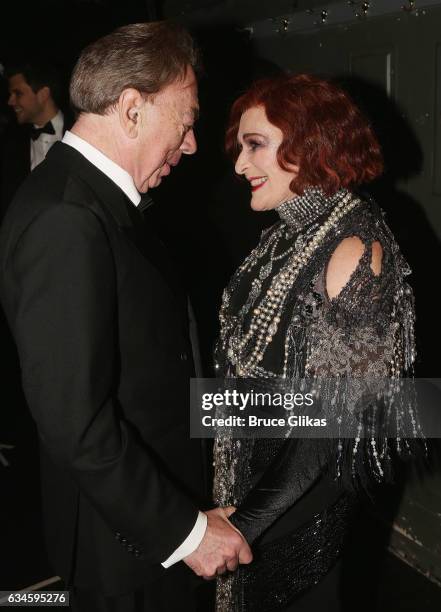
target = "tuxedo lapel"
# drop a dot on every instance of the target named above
(151, 247)
(127, 216)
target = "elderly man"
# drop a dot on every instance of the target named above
(101, 328)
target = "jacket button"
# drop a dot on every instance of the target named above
(137, 553)
(184, 357)
(117, 536)
(124, 541)
(130, 548)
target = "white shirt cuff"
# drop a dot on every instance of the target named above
(190, 543)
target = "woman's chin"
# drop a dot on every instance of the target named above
(258, 205)
(261, 205)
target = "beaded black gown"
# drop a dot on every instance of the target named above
(295, 497)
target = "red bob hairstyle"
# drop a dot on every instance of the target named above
(324, 132)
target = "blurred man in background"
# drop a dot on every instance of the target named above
(34, 93)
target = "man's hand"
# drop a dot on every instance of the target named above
(222, 548)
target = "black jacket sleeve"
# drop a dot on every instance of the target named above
(66, 331)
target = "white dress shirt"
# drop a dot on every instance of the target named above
(43, 143)
(124, 181)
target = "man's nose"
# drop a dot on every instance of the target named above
(189, 145)
(241, 164)
(11, 100)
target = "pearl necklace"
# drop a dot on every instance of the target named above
(247, 350)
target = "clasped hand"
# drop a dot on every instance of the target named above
(222, 548)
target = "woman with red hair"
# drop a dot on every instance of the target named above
(322, 295)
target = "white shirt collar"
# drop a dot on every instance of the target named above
(118, 175)
(58, 123)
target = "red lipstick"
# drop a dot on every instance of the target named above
(255, 187)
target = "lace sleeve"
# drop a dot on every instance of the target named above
(352, 333)
(363, 338)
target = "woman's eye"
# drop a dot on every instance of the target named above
(253, 144)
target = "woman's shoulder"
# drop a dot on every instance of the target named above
(345, 260)
(366, 220)
(365, 234)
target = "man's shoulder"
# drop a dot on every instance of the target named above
(64, 175)
(57, 184)
(45, 184)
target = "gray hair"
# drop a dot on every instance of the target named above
(143, 56)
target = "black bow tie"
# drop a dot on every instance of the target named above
(46, 129)
(145, 202)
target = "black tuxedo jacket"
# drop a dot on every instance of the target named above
(15, 160)
(101, 329)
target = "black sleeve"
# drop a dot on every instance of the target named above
(298, 465)
(66, 331)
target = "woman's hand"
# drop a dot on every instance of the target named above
(228, 511)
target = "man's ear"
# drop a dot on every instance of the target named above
(129, 107)
(43, 94)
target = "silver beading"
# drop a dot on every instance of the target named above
(246, 350)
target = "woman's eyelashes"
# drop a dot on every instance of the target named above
(253, 144)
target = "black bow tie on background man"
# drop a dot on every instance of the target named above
(46, 129)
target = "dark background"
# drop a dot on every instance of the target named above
(202, 213)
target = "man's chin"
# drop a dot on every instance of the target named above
(155, 182)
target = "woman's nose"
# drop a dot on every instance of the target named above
(241, 163)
